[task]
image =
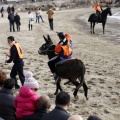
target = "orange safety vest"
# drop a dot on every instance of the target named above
(19, 50)
(67, 50)
(97, 7)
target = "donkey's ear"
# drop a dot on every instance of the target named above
(49, 38)
(46, 40)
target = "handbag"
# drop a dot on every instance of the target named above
(32, 19)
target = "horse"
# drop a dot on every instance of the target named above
(72, 69)
(103, 19)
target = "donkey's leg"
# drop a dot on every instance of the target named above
(85, 90)
(58, 86)
(76, 84)
(93, 27)
(103, 24)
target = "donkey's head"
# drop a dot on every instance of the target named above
(44, 47)
(109, 11)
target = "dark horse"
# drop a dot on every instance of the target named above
(102, 19)
(70, 69)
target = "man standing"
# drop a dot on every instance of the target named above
(50, 13)
(16, 56)
(59, 112)
(11, 21)
(8, 9)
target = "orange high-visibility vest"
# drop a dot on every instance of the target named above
(19, 50)
(67, 50)
(97, 7)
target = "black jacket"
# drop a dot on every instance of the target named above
(7, 110)
(36, 116)
(57, 114)
(11, 17)
(14, 56)
(17, 18)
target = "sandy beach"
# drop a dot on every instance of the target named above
(100, 54)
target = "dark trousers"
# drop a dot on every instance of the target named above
(52, 62)
(12, 26)
(51, 23)
(18, 26)
(18, 69)
(30, 26)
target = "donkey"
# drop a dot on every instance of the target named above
(69, 69)
(103, 19)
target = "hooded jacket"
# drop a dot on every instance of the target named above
(25, 102)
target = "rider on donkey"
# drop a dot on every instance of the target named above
(98, 9)
(63, 50)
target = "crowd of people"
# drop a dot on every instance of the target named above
(27, 104)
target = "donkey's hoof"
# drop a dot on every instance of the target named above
(55, 93)
(86, 98)
(76, 97)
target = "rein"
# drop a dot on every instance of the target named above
(48, 48)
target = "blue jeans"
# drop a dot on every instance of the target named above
(41, 18)
(37, 19)
(12, 26)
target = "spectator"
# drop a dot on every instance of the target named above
(11, 21)
(2, 11)
(17, 20)
(16, 55)
(50, 13)
(8, 9)
(3, 77)
(43, 107)
(62, 103)
(26, 101)
(92, 117)
(37, 12)
(7, 109)
(13, 9)
(41, 15)
(30, 18)
(75, 117)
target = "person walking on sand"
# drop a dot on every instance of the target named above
(37, 12)
(17, 21)
(8, 9)
(11, 21)
(41, 14)
(2, 11)
(30, 18)
(15, 55)
(50, 13)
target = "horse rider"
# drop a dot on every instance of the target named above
(15, 55)
(63, 50)
(98, 9)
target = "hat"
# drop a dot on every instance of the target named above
(30, 82)
(61, 35)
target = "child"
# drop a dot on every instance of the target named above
(26, 100)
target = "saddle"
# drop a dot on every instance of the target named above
(62, 61)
